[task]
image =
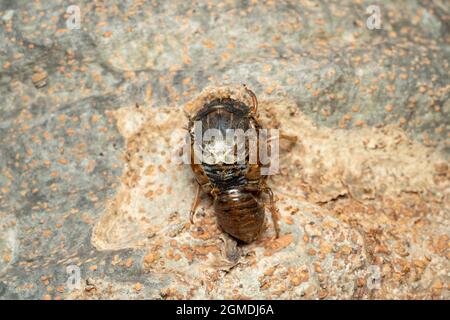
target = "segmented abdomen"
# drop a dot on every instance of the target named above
(240, 214)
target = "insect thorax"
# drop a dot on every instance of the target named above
(223, 142)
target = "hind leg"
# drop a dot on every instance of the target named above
(195, 204)
(273, 210)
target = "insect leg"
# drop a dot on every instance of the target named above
(254, 100)
(290, 138)
(195, 204)
(286, 142)
(273, 210)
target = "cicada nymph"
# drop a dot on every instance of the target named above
(226, 140)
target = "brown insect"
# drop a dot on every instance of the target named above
(237, 188)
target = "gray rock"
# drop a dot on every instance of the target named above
(61, 152)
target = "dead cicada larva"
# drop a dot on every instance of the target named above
(237, 188)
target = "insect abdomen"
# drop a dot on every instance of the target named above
(240, 214)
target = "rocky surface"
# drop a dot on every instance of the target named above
(368, 176)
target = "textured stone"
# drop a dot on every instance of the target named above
(367, 180)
